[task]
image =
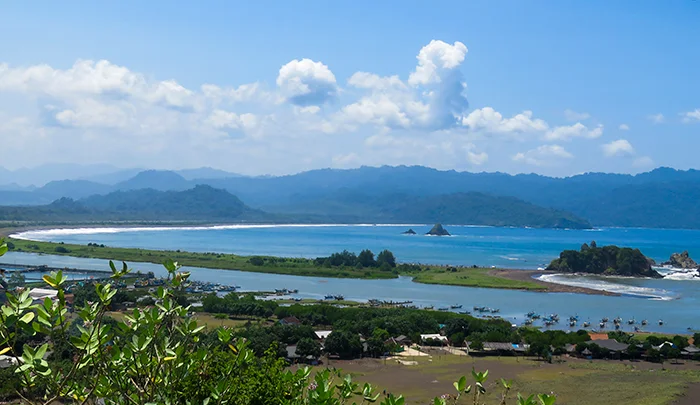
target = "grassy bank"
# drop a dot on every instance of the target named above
(292, 266)
(465, 277)
(473, 277)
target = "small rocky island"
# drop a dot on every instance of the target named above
(607, 260)
(438, 230)
(409, 232)
(681, 261)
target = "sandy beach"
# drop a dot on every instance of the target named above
(528, 275)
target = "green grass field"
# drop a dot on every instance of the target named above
(471, 277)
(574, 382)
(293, 266)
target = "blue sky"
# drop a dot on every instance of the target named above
(556, 88)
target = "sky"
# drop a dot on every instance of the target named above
(269, 87)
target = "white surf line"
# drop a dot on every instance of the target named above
(44, 233)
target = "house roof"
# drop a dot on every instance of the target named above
(290, 320)
(434, 336)
(611, 344)
(400, 338)
(494, 346)
(599, 336)
(691, 349)
(322, 334)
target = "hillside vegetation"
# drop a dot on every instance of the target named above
(607, 260)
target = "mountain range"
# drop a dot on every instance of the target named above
(663, 197)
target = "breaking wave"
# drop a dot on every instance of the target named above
(601, 284)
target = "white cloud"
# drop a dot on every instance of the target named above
(477, 159)
(306, 82)
(544, 155)
(99, 111)
(576, 116)
(364, 80)
(643, 162)
(620, 147)
(489, 120)
(89, 113)
(577, 130)
(433, 59)
(691, 116)
(624, 127)
(657, 118)
(220, 119)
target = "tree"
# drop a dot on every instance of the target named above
(385, 256)
(633, 351)
(16, 279)
(345, 344)
(366, 258)
(308, 347)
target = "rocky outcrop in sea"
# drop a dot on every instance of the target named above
(681, 261)
(438, 230)
(409, 232)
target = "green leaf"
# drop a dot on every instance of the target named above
(170, 265)
(26, 318)
(112, 266)
(461, 385)
(49, 280)
(3, 249)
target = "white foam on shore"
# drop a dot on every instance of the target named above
(595, 283)
(46, 234)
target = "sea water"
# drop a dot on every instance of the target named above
(673, 300)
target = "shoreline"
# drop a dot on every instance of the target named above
(529, 275)
(522, 276)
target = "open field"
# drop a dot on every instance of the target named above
(473, 277)
(574, 381)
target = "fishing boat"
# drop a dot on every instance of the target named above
(631, 322)
(465, 312)
(429, 307)
(530, 314)
(495, 310)
(456, 306)
(329, 297)
(573, 318)
(617, 326)
(548, 322)
(602, 325)
(443, 309)
(661, 322)
(644, 322)
(586, 324)
(604, 320)
(528, 322)
(339, 297)
(572, 324)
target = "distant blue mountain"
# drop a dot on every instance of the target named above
(663, 197)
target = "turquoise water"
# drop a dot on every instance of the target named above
(675, 301)
(484, 246)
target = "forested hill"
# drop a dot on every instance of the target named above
(662, 198)
(458, 208)
(607, 260)
(202, 203)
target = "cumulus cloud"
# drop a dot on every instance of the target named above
(578, 130)
(544, 155)
(624, 127)
(489, 120)
(434, 59)
(364, 80)
(656, 118)
(94, 111)
(305, 82)
(576, 116)
(691, 116)
(620, 147)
